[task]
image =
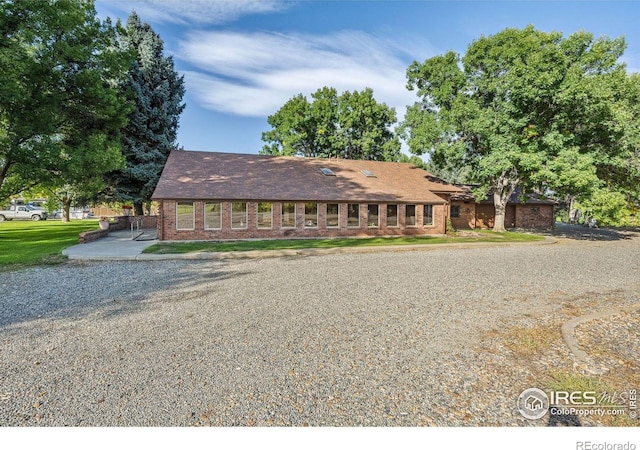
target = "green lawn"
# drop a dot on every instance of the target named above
(24, 243)
(279, 244)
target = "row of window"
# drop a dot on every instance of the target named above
(185, 215)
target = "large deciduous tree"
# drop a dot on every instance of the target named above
(522, 107)
(59, 92)
(350, 126)
(156, 90)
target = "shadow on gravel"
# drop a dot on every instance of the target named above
(564, 420)
(579, 232)
(76, 290)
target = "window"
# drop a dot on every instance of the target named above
(427, 217)
(311, 215)
(333, 215)
(368, 173)
(373, 218)
(353, 215)
(455, 211)
(265, 215)
(185, 216)
(288, 215)
(238, 215)
(327, 172)
(212, 216)
(410, 215)
(392, 215)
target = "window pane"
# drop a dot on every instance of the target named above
(311, 215)
(353, 215)
(410, 215)
(288, 215)
(427, 218)
(333, 217)
(184, 216)
(455, 211)
(392, 215)
(372, 216)
(238, 215)
(212, 216)
(265, 215)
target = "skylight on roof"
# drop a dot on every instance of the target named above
(368, 173)
(328, 172)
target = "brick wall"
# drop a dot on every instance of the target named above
(467, 218)
(482, 216)
(167, 223)
(534, 216)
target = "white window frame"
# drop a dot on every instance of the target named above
(397, 215)
(258, 217)
(193, 216)
(317, 215)
(246, 216)
(359, 216)
(415, 215)
(205, 215)
(424, 208)
(295, 215)
(377, 225)
(327, 215)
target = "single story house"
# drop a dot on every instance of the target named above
(535, 212)
(218, 196)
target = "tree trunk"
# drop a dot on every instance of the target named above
(500, 204)
(137, 209)
(66, 208)
(571, 206)
(502, 191)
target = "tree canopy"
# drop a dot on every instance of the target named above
(523, 108)
(58, 97)
(350, 126)
(156, 90)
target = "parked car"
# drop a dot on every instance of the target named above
(73, 214)
(22, 212)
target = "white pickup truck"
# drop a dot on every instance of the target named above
(22, 212)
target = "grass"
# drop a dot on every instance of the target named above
(606, 393)
(24, 243)
(529, 341)
(281, 244)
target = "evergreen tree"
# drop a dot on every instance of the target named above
(156, 90)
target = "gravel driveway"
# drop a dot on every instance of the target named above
(378, 339)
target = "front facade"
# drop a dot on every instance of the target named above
(534, 212)
(226, 196)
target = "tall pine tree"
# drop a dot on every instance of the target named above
(156, 90)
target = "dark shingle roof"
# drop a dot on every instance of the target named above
(232, 176)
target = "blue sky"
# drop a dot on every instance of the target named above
(242, 60)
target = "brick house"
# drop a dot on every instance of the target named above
(534, 212)
(217, 196)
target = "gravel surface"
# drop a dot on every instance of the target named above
(382, 339)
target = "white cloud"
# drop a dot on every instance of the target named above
(196, 11)
(254, 74)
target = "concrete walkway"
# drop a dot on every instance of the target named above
(117, 246)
